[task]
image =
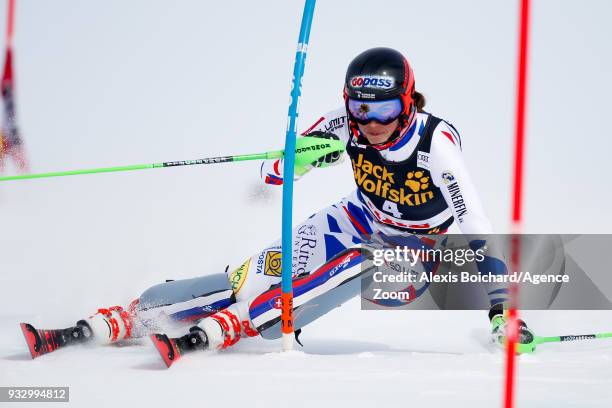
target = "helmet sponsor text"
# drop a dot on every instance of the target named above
(372, 81)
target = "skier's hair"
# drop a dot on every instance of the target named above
(419, 101)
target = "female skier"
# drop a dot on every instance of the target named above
(411, 179)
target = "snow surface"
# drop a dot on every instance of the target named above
(350, 358)
(117, 82)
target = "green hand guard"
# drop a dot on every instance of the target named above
(309, 150)
(302, 168)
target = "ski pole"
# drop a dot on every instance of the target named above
(307, 150)
(537, 340)
(572, 337)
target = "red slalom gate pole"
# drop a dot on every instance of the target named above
(521, 98)
(512, 328)
(10, 23)
(517, 209)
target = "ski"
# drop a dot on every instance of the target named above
(42, 341)
(172, 349)
(168, 348)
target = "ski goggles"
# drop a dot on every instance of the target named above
(383, 112)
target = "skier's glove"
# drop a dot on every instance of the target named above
(499, 326)
(328, 159)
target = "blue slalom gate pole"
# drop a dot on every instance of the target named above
(288, 173)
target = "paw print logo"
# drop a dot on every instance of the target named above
(417, 181)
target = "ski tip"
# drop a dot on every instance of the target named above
(32, 339)
(166, 347)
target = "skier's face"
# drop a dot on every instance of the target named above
(377, 133)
